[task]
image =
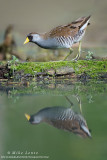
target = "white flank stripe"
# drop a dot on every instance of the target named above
(84, 26)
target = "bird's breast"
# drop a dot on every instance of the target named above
(55, 43)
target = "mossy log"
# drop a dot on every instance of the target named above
(80, 69)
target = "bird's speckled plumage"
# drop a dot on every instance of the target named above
(63, 36)
(67, 30)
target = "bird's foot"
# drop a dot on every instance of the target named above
(75, 59)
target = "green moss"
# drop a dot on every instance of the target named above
(92, 68)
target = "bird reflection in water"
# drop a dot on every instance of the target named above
(62, 118)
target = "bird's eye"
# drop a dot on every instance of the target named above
(30, 38)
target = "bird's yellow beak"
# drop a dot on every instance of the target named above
(26, 41)
(27, 116)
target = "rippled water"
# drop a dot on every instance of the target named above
(49, 140)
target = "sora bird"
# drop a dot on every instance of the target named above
(61, 118)
(63, 36)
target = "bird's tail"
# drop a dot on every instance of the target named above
(86, 130)
(85, 23)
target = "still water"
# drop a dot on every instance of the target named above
(55, 136)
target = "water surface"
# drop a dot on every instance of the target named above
(43, 139)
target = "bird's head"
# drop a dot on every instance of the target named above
(33, 119)
(32, 37)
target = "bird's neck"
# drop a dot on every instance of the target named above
(38, 118)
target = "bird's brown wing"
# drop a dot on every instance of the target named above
(67, 30)
(69, 125)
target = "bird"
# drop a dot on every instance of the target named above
(62, 118)
(63, 36)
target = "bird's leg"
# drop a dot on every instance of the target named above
(79, 101)
(79, 49)
(71, 50)
(79, 53)
(69, 100)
